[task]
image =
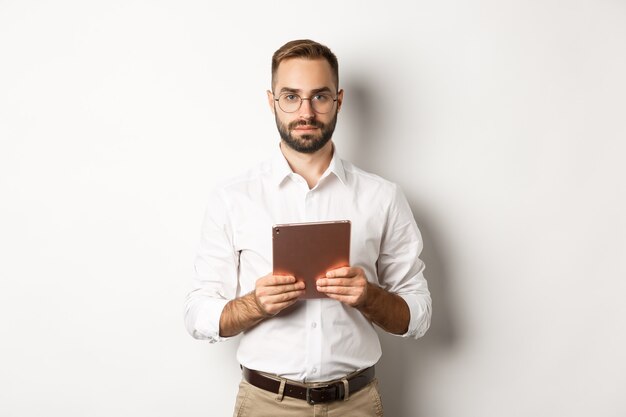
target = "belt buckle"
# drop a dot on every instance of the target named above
(310, 400)
(338, 393)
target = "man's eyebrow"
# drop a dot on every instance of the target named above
(289, 90)
(298, 91)
(321, 90)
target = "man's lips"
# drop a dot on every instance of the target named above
(305, 127)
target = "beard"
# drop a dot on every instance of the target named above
(306, 143)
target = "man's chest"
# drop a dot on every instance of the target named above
(254, 215)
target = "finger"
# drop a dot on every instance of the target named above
(273, 302)
(269, 280)
(299, 285)
(279, 289)
(282, 279)
(337, 282)
(281, 298)
(341, 272)
(338, 290)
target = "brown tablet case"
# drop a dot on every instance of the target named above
(308, 250)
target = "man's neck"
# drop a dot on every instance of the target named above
(309, 166)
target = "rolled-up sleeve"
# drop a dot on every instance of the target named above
(215, 272)
(400, 270)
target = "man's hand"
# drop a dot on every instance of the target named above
(347, 285)
(274, 293)
(271, 295)
(350, 286)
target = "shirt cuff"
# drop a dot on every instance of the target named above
(420, 311)
(207, 322)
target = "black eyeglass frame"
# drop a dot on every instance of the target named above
(301, 100)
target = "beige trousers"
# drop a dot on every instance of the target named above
(256, 402)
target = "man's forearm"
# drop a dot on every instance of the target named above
(240, 314)
(386, 309)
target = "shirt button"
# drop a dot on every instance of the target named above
(314, 325)
(314, 370)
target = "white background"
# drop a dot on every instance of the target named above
(503, 121)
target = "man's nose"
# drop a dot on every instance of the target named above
(306, 110)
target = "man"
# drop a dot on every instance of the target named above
(315, 356)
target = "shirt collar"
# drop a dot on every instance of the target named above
(282, 170)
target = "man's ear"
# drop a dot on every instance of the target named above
(270, 101)
(339, 100)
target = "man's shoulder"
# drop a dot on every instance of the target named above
(225, 191)
(366, 179)
(259, 172)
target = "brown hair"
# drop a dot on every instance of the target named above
(308, 49)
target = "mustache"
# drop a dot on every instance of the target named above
(313, 123)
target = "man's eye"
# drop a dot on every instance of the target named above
(290, 97)
(321, 98)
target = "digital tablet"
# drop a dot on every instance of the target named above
(308, 250)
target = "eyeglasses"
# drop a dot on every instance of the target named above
(291, 102)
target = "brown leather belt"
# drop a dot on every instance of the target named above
(313, 393)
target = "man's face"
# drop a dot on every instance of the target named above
(305, 130)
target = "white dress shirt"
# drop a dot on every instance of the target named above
(318, 339)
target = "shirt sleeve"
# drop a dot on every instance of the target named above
(400, 270)
(215, 273)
